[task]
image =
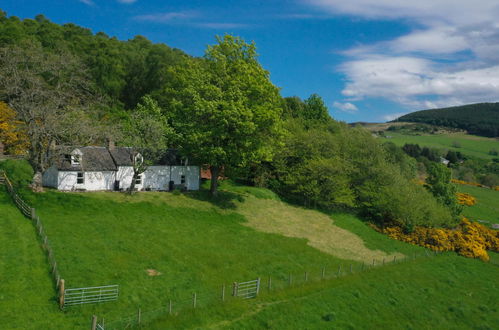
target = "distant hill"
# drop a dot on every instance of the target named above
(480, 119)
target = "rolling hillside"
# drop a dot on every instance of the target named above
(480, 119)
(194, 244)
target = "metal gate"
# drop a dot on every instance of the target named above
(246, 290)
(90, 295)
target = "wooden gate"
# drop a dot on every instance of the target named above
(247, 289)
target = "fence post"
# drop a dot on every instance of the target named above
(170, 307)
(94, 322)
(306, 276)
(258, 286)
(394, 259)
(323, 272)
(290, 279)
(61, 293)
(234, 289)
(270, 283)
(373, 262)
(339, 271)
(33, 215)
(138, 317)
(194, 300)
(223, 292)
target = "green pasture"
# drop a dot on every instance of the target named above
(470, 145)
(487, 205)
(443, 292)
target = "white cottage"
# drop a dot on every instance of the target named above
(100, 168)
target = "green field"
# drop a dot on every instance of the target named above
(445, 292)
(471, 145)
(487, 206)
(195, 244)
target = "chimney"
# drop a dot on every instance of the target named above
(110, 144)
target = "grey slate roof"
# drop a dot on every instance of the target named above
(122, 156)
(93, 159)
(104, 159)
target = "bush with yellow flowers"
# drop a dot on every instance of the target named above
(465, 199)
(469, 239)
(476, 184)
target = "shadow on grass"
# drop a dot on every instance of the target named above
(223, 199)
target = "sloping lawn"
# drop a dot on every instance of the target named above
(445, 292)
(487, 206)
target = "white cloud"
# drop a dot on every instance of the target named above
(417, 82)
(188, 18)
(166, 17)
(127, 1)
(221, 25)
(426, 11)
(393, 116)
(450, 59)
(346, 107)
(87, 2)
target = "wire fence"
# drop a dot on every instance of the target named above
(30, 213)
(269, 284)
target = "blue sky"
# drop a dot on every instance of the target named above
(371, 60)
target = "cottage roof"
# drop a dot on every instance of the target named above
(105, 159)
(122, 156)
(92, 159)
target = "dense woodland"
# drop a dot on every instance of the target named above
(67, 85)
(480, 119)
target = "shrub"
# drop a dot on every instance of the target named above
(469, 239)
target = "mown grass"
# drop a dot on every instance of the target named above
(445, 292)
(471, 145)
(487, 205)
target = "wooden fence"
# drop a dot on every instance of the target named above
(249, 289)
(30, 213)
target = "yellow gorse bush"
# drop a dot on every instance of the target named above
(469, 239)
(465, 199)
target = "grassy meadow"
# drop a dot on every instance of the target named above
(445, 292)
(165, 246)
(487, 205)
(470, 145)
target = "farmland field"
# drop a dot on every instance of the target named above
(471, 145)
(487, 206)
(162, 246)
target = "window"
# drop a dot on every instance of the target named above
(75, 160)
(139, 179)
(80, 178)
(182, 179)
(67, 158)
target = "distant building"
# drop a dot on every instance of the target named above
(444, 161)
(101, 168)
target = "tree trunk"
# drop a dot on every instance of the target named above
(36, 183)
(214, 170)
(132, 184)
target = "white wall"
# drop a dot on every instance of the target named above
(50, 177)
(125, 175)
(156, 178)
(92, 181)
(191, 176)
(67, 180)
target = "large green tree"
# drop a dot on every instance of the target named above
(147, 132)
(226, 110)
